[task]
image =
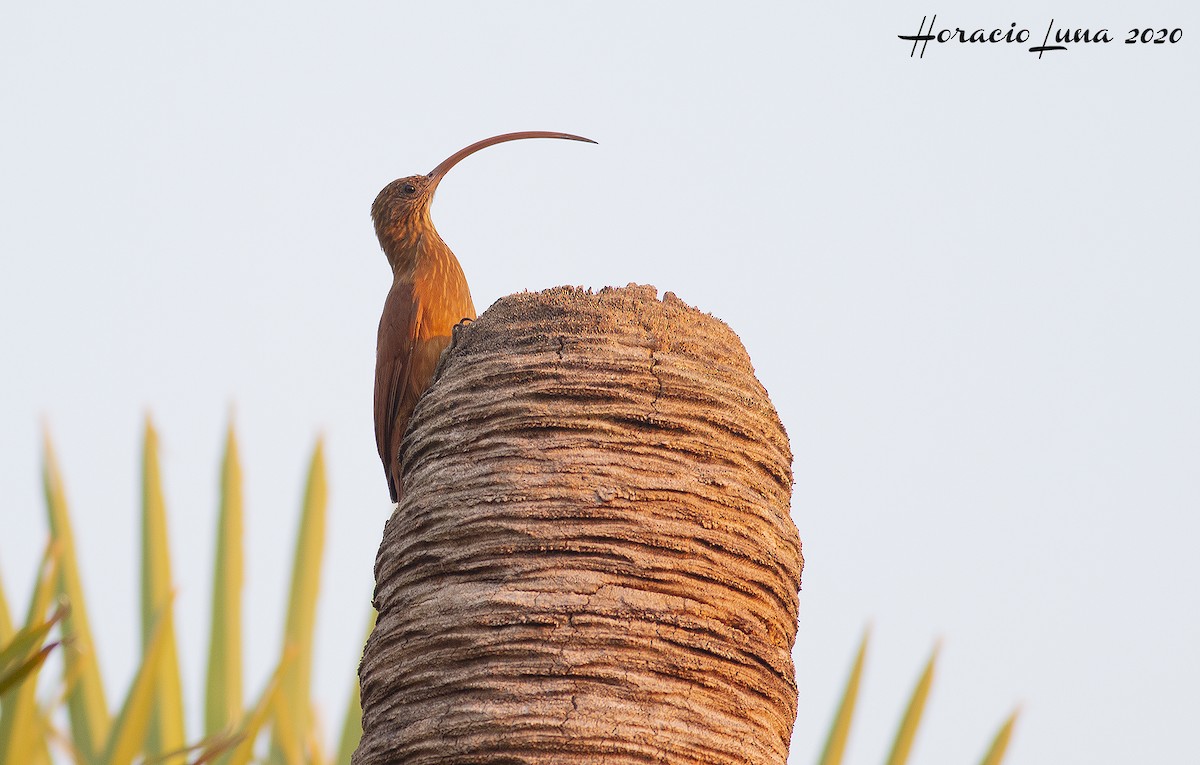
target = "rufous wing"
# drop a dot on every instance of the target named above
(406, 357)
(398, 330)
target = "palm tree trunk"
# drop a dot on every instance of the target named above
(593, 560)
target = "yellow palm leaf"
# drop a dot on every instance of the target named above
(839, 731)
(20, 731)
(86, 706)
(999, 745)
(128, 735)
(166, 732)
(6, 625)
(352, 722)
(902, 746)
(292, 719)
(259, 714)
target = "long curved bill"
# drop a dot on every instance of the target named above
(440, 171)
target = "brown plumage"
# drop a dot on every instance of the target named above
(429, 296)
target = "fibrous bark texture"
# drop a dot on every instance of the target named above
(594, 560)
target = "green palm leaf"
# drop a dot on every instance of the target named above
(223, 693)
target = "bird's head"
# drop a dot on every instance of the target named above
(401, 210)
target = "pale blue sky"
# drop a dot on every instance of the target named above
(969, 283)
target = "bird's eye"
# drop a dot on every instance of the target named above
(408, 188)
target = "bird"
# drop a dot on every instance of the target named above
(428, 298)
